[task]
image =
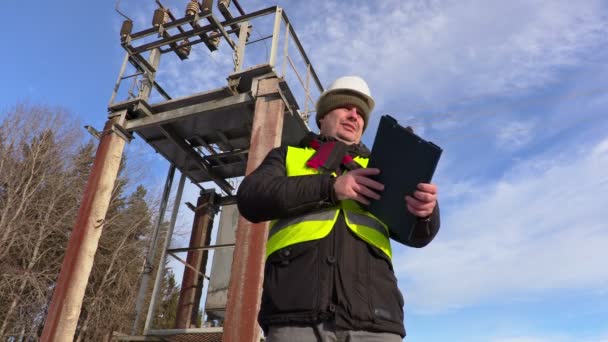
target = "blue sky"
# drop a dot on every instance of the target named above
(514, 92)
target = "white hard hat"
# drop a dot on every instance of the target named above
(346, 90)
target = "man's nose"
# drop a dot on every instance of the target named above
(352, 113)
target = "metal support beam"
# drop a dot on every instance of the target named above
(192, 281)
(172, 24)
(150, 77)
(239, 54)
(240, 153)
(238, 7)
(197, 30)
(203, 248)
(161, 265)
(141, 65)
(296, 40)
(225, 11)
(200, 162)
(119, 79)
(152, 248)
(220, 27)
(64, 310)
(248, 264)
(187, 265)
(275, 37)
(168, 40)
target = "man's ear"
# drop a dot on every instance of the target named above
(321, 123)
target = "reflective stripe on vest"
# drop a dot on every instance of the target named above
(317, 225)
(313, 226)
(363, 220)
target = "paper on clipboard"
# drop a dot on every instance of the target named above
(404, 160)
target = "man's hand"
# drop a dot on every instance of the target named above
(424, 200)
(356, 185)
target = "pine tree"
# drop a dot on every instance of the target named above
(167, 309)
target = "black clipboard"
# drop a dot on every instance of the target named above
(404, 160)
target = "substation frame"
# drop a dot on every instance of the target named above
(213, 136)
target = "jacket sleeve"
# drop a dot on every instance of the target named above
(267, 193)
(425, 230)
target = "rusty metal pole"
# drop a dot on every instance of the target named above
(244, 292)
(192, 281)
(64, 310)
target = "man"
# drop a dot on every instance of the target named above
(328, 273)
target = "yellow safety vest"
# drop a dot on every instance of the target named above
(317, 225)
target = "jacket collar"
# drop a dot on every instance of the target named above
(355, 150)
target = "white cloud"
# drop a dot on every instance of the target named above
(601, 149)
(515, 134)
(458, 190)
(426, 50)
(541, 228)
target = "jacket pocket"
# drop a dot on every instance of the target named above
(291, 280)
(386, 298)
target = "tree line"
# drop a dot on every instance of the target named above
(45, 162)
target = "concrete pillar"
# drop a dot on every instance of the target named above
(64, 310)
(248, 259)
(192, 282)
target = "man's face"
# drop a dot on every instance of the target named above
(344, 123)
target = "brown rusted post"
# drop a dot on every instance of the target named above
(64, 310)
(248, 259)
(192, 282)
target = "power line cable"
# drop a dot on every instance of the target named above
(119, 12)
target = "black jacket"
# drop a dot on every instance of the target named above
(339, 276)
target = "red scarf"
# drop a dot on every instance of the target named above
(331, 155)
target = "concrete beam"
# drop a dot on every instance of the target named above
(183, 112)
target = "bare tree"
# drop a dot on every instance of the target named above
(44, 166)
(36, 207)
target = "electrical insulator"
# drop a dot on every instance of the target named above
(160, 17)
(193, 7)
(126, 28)
(183, 51)
(206, 6)
(215, 40)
